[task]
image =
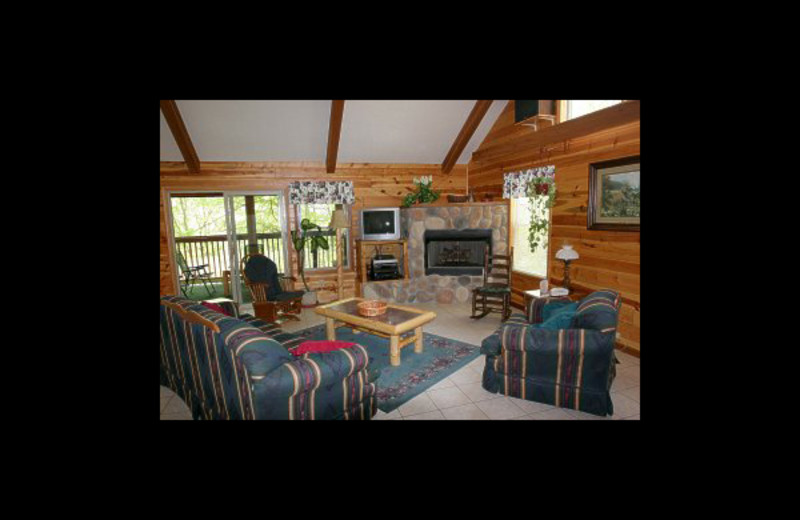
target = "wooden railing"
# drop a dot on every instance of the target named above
(213, 250)
(323, 259)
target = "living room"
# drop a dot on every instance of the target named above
(463, 228)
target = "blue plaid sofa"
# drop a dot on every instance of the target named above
(246, 370)
(569, 368)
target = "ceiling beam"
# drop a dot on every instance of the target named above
(173, 116)
(470, 125)
(334, 131)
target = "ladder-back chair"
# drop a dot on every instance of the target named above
(495, 293)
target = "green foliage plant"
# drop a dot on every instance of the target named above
(423, 194)
(315, 242)
(541, 193)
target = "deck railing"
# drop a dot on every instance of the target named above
(213, 250)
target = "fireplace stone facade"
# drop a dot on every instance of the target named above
(435, 287)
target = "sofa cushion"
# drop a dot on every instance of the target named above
(597, 311)
(560, 317)
(552, 307)
(258, 352)
(215, 307)
(320, 346)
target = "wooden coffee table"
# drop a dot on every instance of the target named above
(396, 321)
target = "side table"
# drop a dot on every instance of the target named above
(534, 302)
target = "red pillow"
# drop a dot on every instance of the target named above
(320, 346)
(215, 307)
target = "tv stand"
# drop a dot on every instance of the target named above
(367, 249)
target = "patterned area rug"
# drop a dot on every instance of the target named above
(440, 357)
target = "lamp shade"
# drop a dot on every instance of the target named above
(339, 219)
(567, 253)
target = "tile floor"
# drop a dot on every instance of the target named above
(460, 396)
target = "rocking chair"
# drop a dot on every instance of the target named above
(273, 301)
(495, 294)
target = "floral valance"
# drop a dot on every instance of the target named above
(515, 184)
(329, 192)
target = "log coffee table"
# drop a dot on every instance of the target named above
(394, 322)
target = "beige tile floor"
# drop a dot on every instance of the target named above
(460, 396)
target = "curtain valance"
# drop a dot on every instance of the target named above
(328, 192)
(515, 184)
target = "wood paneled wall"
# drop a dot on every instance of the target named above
(375, 185)
(608, 259)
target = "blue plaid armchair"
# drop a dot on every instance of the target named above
(569, 368)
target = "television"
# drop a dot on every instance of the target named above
(380, 224)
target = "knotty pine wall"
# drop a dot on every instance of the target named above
(375, 185)
(608, 259)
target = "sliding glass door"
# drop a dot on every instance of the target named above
(256, 224)
(213, 232)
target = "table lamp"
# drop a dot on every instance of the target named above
(339, 222)
(567, 254)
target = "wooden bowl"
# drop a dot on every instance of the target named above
(370, 308)
(457, 198)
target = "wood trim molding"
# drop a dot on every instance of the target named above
(173, 116)
(334, 132)
(616, 115)
(191, 316)
(470, 125)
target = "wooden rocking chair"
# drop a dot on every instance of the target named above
(273, 299)
(495, 294)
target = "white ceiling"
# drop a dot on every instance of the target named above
(372, 131)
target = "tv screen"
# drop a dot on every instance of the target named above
(379, 222)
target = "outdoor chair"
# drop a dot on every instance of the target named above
(273, 299)
(193, 274)
(495, 293)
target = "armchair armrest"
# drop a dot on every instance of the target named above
(311, 371)
(547, 342)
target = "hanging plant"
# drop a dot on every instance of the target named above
(423, 194)
(541, 193)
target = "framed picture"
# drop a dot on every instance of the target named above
(614, 195)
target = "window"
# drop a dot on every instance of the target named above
(534, 264)
(321, 214)
(581, 107)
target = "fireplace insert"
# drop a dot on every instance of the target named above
(456, 252)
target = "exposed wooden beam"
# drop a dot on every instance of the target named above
(470, 125)
(181, 135)
(334, 130)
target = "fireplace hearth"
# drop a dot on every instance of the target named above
(456, 252)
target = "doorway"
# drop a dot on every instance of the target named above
(214, 231)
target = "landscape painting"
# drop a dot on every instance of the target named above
(614, 190)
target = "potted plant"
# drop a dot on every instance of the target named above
(423, 194)
(315, 241)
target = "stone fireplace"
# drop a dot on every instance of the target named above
(476, 226)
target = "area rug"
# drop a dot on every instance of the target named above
(440, 357)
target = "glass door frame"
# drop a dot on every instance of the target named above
(230, 225)
(233, 250)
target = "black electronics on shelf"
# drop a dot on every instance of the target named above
(384, 267)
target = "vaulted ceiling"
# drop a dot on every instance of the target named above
(392, 131)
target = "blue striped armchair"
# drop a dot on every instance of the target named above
(569, 368)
